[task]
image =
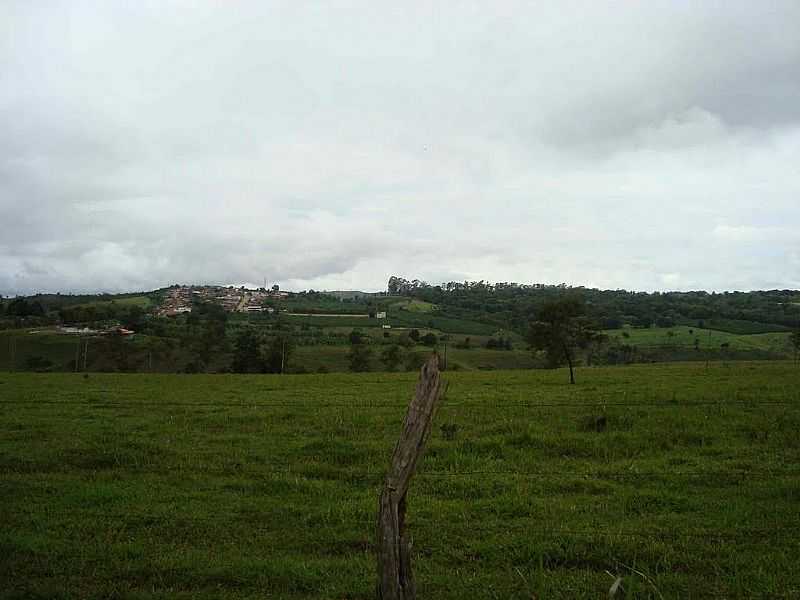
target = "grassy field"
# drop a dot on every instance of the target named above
(684, 336)
(433, 320)
(414, 305)
(680, 478)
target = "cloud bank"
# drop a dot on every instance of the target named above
(646, 146)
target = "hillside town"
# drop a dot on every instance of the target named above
(179, 299)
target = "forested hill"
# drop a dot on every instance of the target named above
(514, 305)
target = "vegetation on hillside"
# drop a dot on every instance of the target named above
(464, 318)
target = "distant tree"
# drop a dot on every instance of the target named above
(405, 341)
(430, 339)
(276, 288)
(360, 358)
(119, 350)
(247, 352)
(134, 319)
(560, 329)
(277, 353)
(205, 332)
(20, 307)
(665, 321)
(391, 357)
(414, 361)
(356, 337)
(414, 335)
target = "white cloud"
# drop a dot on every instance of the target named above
(646, 147)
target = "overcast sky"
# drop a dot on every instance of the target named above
(328, 145)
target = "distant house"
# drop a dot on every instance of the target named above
(386, 326)
(380, 315)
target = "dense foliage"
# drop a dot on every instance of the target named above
(515, 305)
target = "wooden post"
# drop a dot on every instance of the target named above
(395, 579)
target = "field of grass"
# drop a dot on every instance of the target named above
(707, 339)
(483, 359)
(414, 305)
(742, 327)
(680, 478)
(433, 320)
(327, 321)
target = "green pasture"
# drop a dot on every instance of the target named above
(434, 320)
(685, 336)
(483, 359)
(680, 478)
(742, 327)
(414, 305)
(329, 321)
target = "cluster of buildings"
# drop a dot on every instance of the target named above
(179, 299)
(115, 329)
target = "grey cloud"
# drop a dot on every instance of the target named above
(648, 146)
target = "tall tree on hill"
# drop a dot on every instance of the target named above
(560, 329)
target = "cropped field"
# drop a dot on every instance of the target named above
(679, 478)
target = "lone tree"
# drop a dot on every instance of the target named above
(360, 355)
(391, 357)
(560, 329)
(360, 358)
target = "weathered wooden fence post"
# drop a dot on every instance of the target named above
(395, 579)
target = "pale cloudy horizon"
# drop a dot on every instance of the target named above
(644, 146)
